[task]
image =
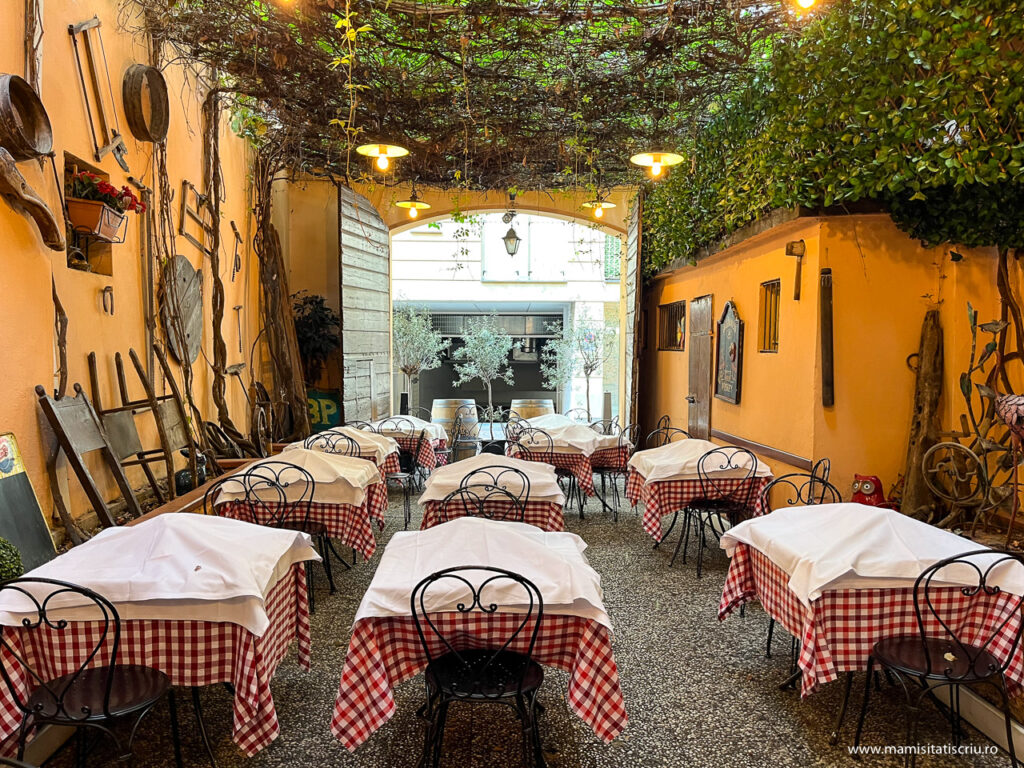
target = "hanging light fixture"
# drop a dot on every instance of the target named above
(383, 153)
(805, 4)
(598, 206)
(414, 204)
(511, 239)
(656, 161)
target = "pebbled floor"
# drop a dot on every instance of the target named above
(699, 692)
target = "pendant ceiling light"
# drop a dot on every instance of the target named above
(598, 207)
(414, 204)
(383, 153)
(511, 239)
(656, 161)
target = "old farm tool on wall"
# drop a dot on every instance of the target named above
(107, 140)
(146, 108)
(22, 198)
(195, 209)
(181, 308)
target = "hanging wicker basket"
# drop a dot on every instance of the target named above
(96, 219)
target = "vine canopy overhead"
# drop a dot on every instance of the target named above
(484, 93)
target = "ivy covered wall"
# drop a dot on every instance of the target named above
(916, 104)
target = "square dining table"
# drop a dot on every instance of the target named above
(666, 479)
(429, 454)
(574, 635)
(204, 599)
(543, 506)
(379, 449)
(349, 497)
(572, 447)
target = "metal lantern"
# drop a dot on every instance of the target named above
(511, 240)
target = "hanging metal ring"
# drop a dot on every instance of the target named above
(154, 128)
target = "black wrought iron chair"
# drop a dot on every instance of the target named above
(664, 421)
(509, 479)
(606, 426)
(514, 427)
(333, 442)
(627, 444)
(796, 489)
(355, 424)
(278, 494)
(408, 460)
(941, 654)
(535, 444)
(458, 671)
(464, 438)
(579, 415)
(727, 494)
(421, 413)
(475, 501)
(93, 697)
(665, 435)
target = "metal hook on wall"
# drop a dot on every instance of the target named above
(108, 300)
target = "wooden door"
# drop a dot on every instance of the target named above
(699, 397)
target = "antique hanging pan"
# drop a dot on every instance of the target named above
(144, 92)
(24, 125)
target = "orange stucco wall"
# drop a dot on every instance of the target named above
(28, 345)
(883, 283)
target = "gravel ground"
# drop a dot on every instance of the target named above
(698, 692)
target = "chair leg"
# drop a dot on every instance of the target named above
(863, 706)
(441, 719)
(679, 543)
(406, 504)
(768, 645)
(834, 738)
(685, 533)
(325, 552)
(197, 707)
(309, 587)
(1009, 725)
(675, 516)
(701, 544)
(172, 706)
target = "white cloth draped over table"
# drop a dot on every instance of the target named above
(855, 546)
(679, 460)
(339, 479)
(379, 447)
(543, 481)
(550, 421)
(553, 561)
(434, 431)
(569, 437)
(173, 566)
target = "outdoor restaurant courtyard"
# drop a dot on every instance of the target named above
(511, 382)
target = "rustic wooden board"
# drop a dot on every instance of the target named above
(186, 297)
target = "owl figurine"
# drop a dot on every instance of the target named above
(867, 489)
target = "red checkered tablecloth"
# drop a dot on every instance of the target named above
(576, 463)
(428, 457)
(348, 523)
(611, 458)
(546, 515)
(664, 497)
(390, 465)
(384, 652)
(191, 653)
(837, 632)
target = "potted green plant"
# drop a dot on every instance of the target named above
(10, 561)
(98, 208)
(316, 330)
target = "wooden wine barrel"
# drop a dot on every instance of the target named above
(527, 409)
(443, 413)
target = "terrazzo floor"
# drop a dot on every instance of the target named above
(698, 692)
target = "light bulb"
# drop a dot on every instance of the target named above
(382, 162)
(599, 211)
(805, 3)
(413, 213)
(655, 170)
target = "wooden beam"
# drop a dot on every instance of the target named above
(765, 451)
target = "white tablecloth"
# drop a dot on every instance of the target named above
(571, 438)
(173, 566)
(550, 420)
(553, 561)
(543, 481)
(370, 443)
(434, 431)
(854, 546)
(339, 479)
(678, 460)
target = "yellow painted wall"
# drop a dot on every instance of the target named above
(29, 342)
(883, 283)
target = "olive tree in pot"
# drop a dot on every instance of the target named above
(316, 330)
(417, 346)
(484, 356)
(581, 348)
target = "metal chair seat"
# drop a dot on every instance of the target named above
(132, 688)
(479, 674)
(907, 654)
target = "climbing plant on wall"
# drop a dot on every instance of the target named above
(913, 103)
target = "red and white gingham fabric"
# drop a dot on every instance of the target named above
(191, 653)
(384, 652)
(428, 456)
(390, 465)
(546, 515)
(611, 458)
(348, 523)
(840, 628)
(576, 463)
(664, 497)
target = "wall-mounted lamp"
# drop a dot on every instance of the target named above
(797, 248)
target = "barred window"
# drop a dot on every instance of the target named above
(768, 323)
(672, 325)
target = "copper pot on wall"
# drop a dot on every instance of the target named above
(24, 125)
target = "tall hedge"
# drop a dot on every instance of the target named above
(918, 104)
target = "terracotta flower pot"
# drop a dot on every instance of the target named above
(95, 218)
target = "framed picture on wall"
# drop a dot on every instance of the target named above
(729, 355)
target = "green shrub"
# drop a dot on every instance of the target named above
(10, 561)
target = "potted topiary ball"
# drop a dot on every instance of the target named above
(10, 561)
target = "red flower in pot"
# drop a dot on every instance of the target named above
(98, 208)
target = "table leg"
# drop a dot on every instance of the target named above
(197, 706)
(834, 738)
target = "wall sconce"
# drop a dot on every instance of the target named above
(797, 248)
